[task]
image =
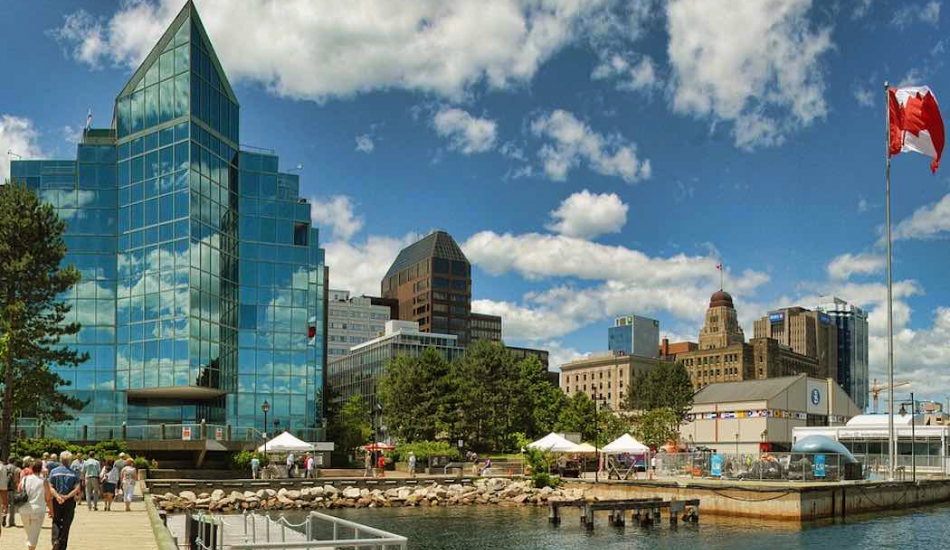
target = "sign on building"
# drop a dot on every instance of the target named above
(186, 433)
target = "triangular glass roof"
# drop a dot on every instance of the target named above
(186, 26)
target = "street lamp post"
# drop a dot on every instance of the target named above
(265, 408)
(913, 434)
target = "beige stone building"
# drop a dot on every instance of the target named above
(604, 377)
(760, 415)
(725, 356)
(809, 333)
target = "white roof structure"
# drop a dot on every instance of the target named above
(584, 448)
(553, 443)
(285, 443)
(878, 420)
(625, 444)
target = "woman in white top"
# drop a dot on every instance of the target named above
(38, 504)
(129, 476)
(110, 479)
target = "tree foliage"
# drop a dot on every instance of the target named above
(655, 427)
(416, 396)
(353, 426)
(658, 401)
(33, 316)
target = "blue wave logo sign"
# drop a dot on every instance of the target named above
(815, 396)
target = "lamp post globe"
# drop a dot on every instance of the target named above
(265, 407)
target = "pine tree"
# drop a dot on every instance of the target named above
(32, 315)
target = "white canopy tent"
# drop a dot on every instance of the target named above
(625, 444)
(285, 443)
(584, 448)
(553, 443)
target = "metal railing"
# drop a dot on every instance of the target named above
(752, 466)
(261, 531)
(191, 431)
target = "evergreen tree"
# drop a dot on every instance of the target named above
(32, 315)
(415, 393)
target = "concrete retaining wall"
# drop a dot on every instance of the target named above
(162, 486)
(781, 501)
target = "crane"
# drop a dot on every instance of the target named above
(876, 389)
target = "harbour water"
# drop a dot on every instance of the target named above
(470, 528)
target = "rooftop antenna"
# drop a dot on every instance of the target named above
(719, 267)
(12, 154)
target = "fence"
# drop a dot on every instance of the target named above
(252, 531)
(194, 431)
(754, 466)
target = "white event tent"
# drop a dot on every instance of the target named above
(285, 443)
(625, 444)
(553, 443)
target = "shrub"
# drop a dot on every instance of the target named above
(425, 450)
(141, 463)
(242, 461)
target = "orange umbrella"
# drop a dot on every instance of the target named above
(378, 446)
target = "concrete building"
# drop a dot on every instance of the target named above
(604, 377)
(809, 333)
(357, 373)
(852, 356)
(724, 356)
(761, 415)
(432, 281)
(352, 321)
(669, 352)
(634, 335)
(485, 327)
(190, 312)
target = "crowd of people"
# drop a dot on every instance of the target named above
(305, 467)
(55, 484)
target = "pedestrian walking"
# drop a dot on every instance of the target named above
(487, 469)
(381, 465)
(13, 481)
(255, 466)
(110, 478)
(412, 464)
(91, 471)
(76, 467)
(38, 503)
(367, 464)
(64, 486)
(290, 465)
(129, 476)
(119, 465)
(4, 487)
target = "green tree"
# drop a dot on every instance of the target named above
(666, 386)
(355, 424)
(415, 393)
(537, 403)
(33, 317)
(579, 415)
(655, 427)
(487, 397)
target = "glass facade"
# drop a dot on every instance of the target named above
(203, 289)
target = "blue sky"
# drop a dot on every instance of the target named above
(592, 158)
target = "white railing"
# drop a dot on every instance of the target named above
(261, 531)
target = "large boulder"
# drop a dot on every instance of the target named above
(316, 492)
(330, 490)
(351, 492)
(190, 496)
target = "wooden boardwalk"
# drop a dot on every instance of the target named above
(93, 530)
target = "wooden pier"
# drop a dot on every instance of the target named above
(646, 511)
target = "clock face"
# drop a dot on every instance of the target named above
(815, 397)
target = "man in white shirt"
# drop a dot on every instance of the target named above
(290, 464)
(308, 464)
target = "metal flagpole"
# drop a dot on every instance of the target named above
(892, 444)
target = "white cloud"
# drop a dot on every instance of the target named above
(322, 49)
(755, 64)
(863, 205)
(336, 213)
(360, 266)
(466, 134)
(587, 215)
(634, 77)
(861, 8)
(864, 96)
(927, 221)
(71, 134)
(846, 265)
(574, 141)
(364, 143)
(17, 136)
(908, 14)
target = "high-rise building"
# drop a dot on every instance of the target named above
(605, 377)
(852, 324)
(432, 280)
(724, 356)
(190, 312)
(807, 332)
(352, 320)
(634, 335)
(358, 372)
(485, 327)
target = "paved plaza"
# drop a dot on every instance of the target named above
(93, 530)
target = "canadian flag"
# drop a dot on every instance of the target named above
(915, 123)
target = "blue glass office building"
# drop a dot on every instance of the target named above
(203, 289)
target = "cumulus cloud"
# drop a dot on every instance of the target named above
(864, 96)
(20, 137)
(861, 8)
(846, 265)
(572, 141)
(639, 76)
(466, 133)
(337, 214)
(926, 222)
(364, 143)
(322, 49)
(754, 64)
(909, 14)
(587, 215)
(360, 266)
